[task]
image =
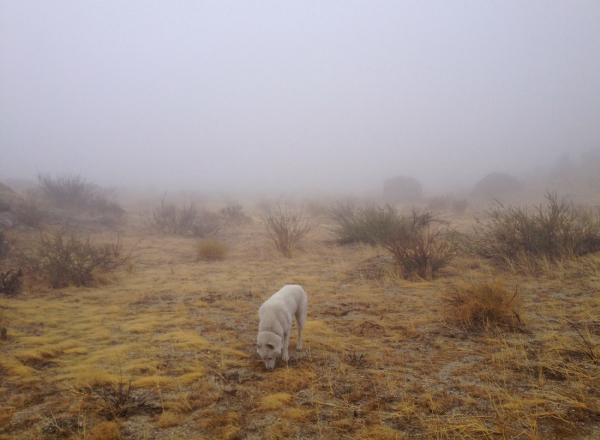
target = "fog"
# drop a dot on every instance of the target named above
(288, 96)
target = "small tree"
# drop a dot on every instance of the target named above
(286, 227)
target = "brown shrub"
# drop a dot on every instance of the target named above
(483, 304)
(211, 249)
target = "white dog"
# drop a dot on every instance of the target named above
(276, 316)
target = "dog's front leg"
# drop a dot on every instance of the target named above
(284, 349)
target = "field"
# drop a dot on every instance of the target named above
(165, 347)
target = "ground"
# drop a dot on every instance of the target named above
(169, 345)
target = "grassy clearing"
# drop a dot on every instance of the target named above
(169, 348)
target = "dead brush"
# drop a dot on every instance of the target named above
(582, 345)
(286, 227)
(483, 304)
(516, 233)
(421, 245)
(118, 399)
(64, 258)
(211, 249)
(11, 282)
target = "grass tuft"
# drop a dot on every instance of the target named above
(484, 304)
(211, 249)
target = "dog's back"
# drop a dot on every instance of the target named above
(289, 301)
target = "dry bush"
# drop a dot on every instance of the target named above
(10, 282)
(4, 246)
(517, 233)
(73, 192)
(63, 258)
(368, 224)
(286, 227)
(234, 215)
(184, 220)
(484, 304)
(421, 245)
(117, 399)
(438, 203)
(28, 212)
(459, 207)
(211, 249)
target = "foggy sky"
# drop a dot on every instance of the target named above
(281, 96)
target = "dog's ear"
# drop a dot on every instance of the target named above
(270, 346)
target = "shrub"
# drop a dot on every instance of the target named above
(63, 258)
(286, 228)
(4, 246)
(438, 203)
(73, 192)
(29, 213)
(517, 233)
(233, 215)
(10, 282)
(369, 224)
(207, 224)
(211, 249)
(459, 206)
(184, 220)
(421, 245)
(482, 304)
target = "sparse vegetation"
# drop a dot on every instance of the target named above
(184, 220)
(64, 258)
(74, 193)
(28, 212)
(211, 249)
(516, 233)
(364, 224)
(234, 215)
(286, 227)
(11, 282)
(421, 245)
(459, 206)
(479, 305)
(466, 355)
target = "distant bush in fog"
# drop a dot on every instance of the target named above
(495, 185)
(184, 220)
(73, 192)
(234, 215)
(402, 189)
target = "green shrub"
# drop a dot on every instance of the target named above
(514, 233)
(63, 258)
(286, 227)
(211, 249)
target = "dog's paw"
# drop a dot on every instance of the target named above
(299, 347)
(285, 357)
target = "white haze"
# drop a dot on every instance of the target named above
(288, 96)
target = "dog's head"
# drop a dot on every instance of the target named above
(268, 348)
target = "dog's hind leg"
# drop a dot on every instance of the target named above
(300, 320)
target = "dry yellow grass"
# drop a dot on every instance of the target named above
(381, 359)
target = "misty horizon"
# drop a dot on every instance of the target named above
(290, 97)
